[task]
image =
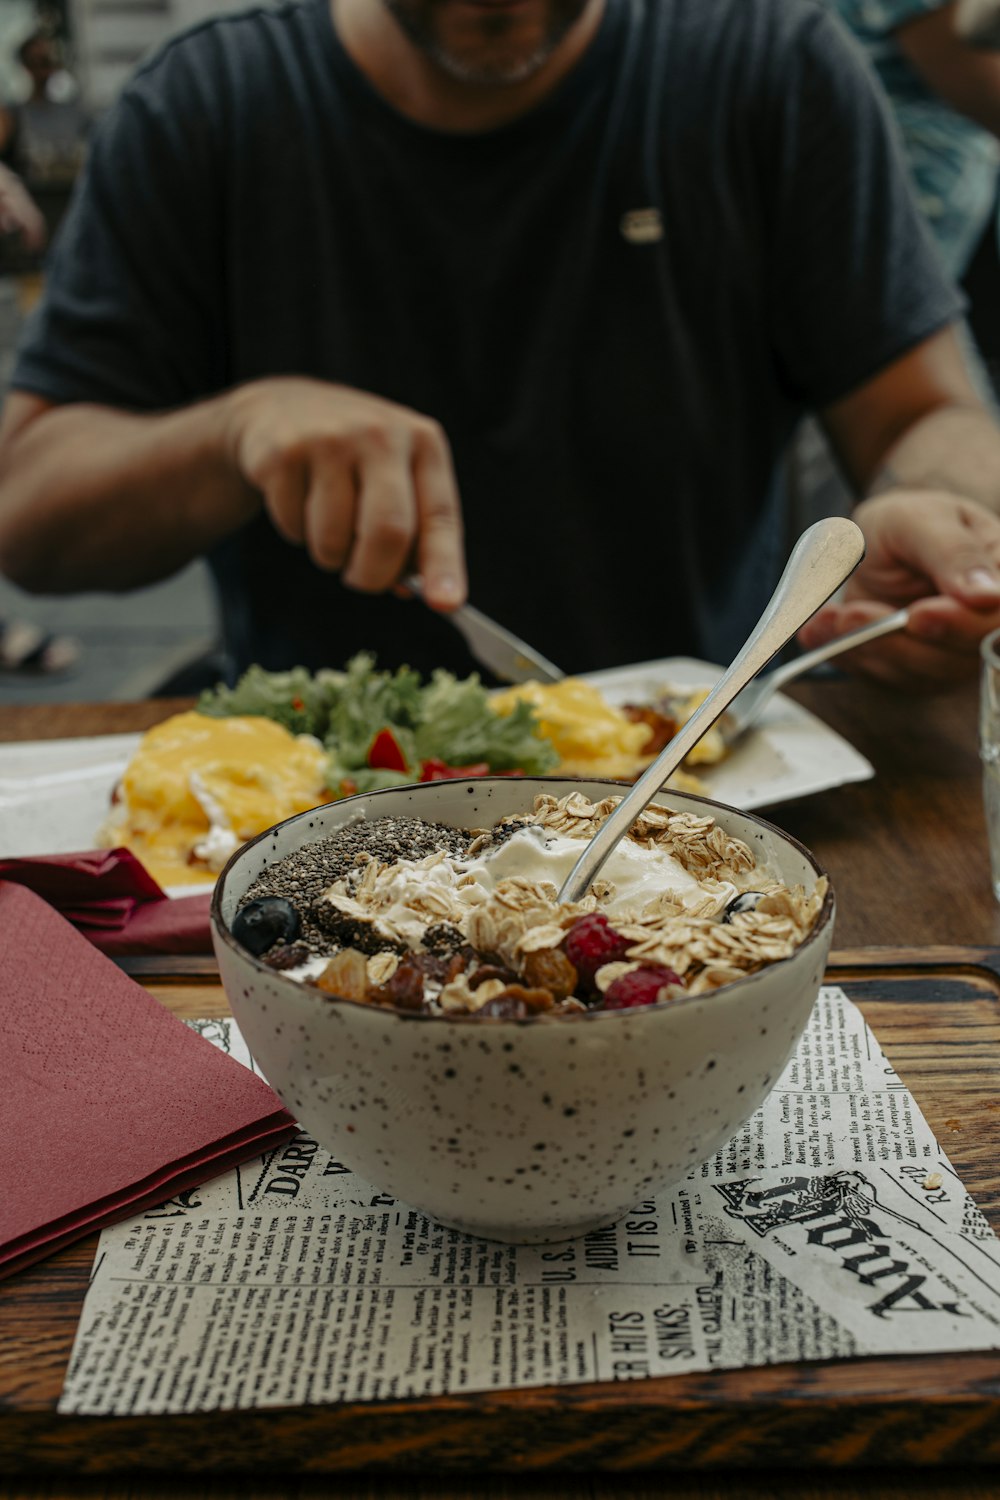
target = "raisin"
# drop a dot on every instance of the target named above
(432, 965)
(550, 969)
(287, 957)
(531, 999)
(460, 961)
(491, 971)
(403, 989)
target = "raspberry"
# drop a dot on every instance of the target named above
(638, 987)
(590, 943)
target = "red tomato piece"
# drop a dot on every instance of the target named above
(439, 770)
(384, 753)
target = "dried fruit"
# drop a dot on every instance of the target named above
(590, 943)
(550, 969)
(531, 999)
(404, 988)
(641, 986)
(284, 957)
(482, 972)
(346, 975)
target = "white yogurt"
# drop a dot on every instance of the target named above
(636, 872)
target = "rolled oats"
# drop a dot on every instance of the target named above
(517, 927)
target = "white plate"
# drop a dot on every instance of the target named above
(789, 753)
(55, 794)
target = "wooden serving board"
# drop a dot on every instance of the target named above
(936, 1012)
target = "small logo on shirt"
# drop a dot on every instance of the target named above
(642, 226)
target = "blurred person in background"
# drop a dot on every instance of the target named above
(944, 97)
(534, 288)
(41, 152)
(43, 139)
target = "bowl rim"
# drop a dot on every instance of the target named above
(823, 918)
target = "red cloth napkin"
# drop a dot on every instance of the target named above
(108, 1102)
(115, 902)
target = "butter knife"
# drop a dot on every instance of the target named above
(506, 655)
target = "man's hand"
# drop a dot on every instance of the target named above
(937, 554)
(365, 485)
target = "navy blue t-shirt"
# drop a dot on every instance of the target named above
(617, 306)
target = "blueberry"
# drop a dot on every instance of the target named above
(745, 901)
(261, 924)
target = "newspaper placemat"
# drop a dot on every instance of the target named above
(832, 1225)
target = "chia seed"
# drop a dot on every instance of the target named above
(302, 876)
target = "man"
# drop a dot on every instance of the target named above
(561, 274)
(43, 140)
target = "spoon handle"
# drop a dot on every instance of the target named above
(822, 558)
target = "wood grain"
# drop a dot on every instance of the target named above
(937, 1015)
(908, 857)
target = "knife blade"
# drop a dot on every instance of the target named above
(505, 654)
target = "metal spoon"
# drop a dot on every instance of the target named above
(822, 558)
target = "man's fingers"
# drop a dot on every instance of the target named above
(440, 540)
(952, 626)
(834, 620)
(385, 520)
(365, 484)
(285, 498)
(957, 546)
(937, 648)
(330, 512)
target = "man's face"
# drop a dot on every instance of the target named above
(487, 41)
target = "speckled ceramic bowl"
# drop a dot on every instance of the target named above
(532, 1130)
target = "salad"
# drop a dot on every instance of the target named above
(383, 729)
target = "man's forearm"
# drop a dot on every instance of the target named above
(954, 448)
(95, 498)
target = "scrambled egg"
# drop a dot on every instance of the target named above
(595, 739)
(592, 738)
(198, 787)
(711, 748)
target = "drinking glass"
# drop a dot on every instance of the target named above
(989, 747)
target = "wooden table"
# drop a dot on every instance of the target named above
(908, 858)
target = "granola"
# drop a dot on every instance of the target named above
(681, 908)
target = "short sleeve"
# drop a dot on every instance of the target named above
(132, 307)
(854, 278)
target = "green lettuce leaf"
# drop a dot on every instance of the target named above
(295, 699)
(367, 701)
(447, 719)
(459, 726)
